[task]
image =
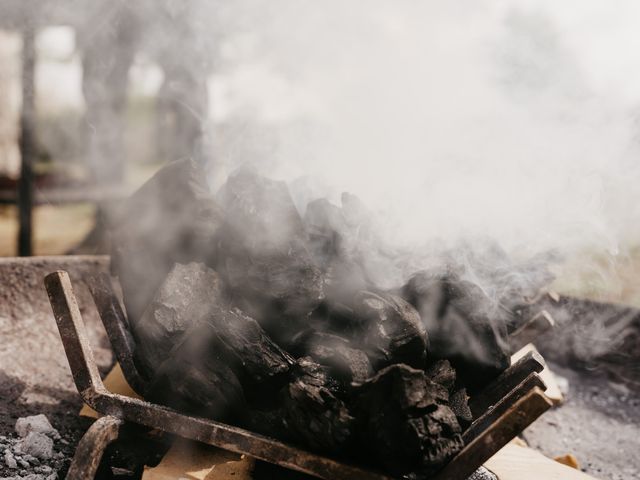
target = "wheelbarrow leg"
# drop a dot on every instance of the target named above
(116, 325)
(92, 446)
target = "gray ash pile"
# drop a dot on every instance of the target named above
(245, 311)
(31, 453)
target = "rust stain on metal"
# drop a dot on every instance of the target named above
(91, 447)
(117, 328)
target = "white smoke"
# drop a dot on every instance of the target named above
(512, 120)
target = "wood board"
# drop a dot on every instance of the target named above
(515, 462)
(553, 390)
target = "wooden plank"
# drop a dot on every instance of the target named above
(514, 462)
(553, 391)
(532, 329)
(530, 363)
(498, 410)
(196, 461)
(518, 417)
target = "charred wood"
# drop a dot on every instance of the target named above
(269, 270)
(463, 325)
(171, 218)
(406, 424)
(312, 412)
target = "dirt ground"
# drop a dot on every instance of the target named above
(599, 424)
(34, 372)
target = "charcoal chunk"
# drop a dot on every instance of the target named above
(392, 330)
(194, 381)
(171, 219)
(346, 364)
(265, 260)
(255, 206)
(483, 474)
(259, 362)
(326, 225)
(312, 412)
(443, 373)
(342, 244)
(405, 424)
(464, 326)
(183, 300)
(338, 231)
(223, 360)
(458, 402)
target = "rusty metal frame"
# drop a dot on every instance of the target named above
(117, 327)
(92, 446)
(509, 404)
(93, 392)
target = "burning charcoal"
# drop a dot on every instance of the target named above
(513, 285)
(336, 231)
(343, 280)
(193, 380)
(183, 300)
(443, 373)
(225, 345)
(313, 415)
(258, 361)
(346, 364)
(458, 317)
(262, 209)
(356, 213)
(326, 225)
(171, 219)
(392, 330)
(265, 260)
(405, 424)
(335, 240)
(458, 402)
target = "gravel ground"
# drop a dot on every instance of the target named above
(599, 423)
(34, 373)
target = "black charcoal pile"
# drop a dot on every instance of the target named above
(247, 311)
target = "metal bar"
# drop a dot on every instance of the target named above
(92, 446)
(518, 417)
(93, 392)
(72, 332)
(117, 327)
(506, 382)
(27, 142)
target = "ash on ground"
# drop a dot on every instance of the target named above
(33, 451)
